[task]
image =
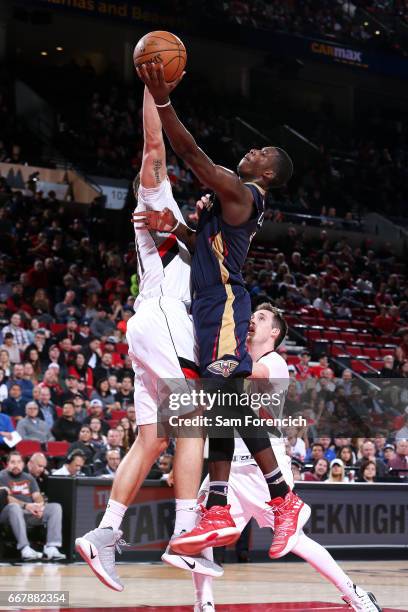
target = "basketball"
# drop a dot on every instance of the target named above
(161, 47)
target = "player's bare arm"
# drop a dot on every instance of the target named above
(236, 200)
(153, 170)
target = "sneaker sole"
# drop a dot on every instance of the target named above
(82, 546)
(193, 565)
(304, 516)
(193, 545)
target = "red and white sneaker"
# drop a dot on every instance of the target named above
(290, 515)
(215, 528)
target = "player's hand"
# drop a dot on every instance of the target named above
(203, 202)
(170, 479)
(158, 220)
(152, 76)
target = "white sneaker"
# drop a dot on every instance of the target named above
(362, 601)
(29, 554)
(204, 607)
(196, 564)
(97, 548)
(53, 554)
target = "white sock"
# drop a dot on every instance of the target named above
(114, 513)
(317, 556)
(203, 584)
(186, 515)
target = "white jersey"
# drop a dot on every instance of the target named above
(163, 261)
(278, 371)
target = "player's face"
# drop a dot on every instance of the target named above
(256, 162)
(260, 326)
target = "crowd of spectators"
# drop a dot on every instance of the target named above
(338, 20)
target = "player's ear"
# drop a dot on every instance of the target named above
(275, 331)
(269, 175)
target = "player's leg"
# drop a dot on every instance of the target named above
(319, 558)
(203, 592)
(304, 547)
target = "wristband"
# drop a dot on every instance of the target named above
(163, 105)
(24, 506)
(173, 229)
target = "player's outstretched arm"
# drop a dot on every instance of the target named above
(236, 200)
(164, 221)
(153, 170)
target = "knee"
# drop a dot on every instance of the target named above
(149, 439)
(54, 508)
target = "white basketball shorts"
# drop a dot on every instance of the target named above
(161, 343)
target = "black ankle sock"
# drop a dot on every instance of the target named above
(218, 494)
(276, 484)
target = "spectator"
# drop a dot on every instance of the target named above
(125, 395)
(37, 467)
(112, 459)
(98, 438)
(367, 451)
(31, 427)
(73, 465)
(11, 347)
(113, 443)
(71, 332)
(400, 462)
(388, 370)
(129, 436)
(337, 472)
(389, 454)
(367, 471)
(19, 333)
(27, 507)
(346, 381)
(131, 414)
(297, 445)
(93, 353)
(80, 409)
(85, 444)
(347, 455)
(67, 308)
(96, 411)
(47, 410)
(80, 369)
(165, 464)
(50, 381)
(319, 471)
(103, 394)
(18, 377)
(65, 427)
(14, 405)
(5, 363)
(105, 368)
(102, 326)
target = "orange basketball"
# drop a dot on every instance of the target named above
(161, 47)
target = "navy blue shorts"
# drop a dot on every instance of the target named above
(221, 317)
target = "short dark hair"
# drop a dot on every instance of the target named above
(283, 167)
(14, 453)
(278, 320)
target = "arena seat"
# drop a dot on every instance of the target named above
(359, 366)
(57, 448)
(370, 352)
(118, 414)
(122, 348)
(28, 447)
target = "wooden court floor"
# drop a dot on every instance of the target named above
(295, 586)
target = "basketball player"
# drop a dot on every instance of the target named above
(161, 344)
(247, 487)
(221, 313)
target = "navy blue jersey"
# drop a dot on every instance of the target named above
(221, 249)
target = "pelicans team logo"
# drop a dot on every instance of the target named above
(225, 367)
